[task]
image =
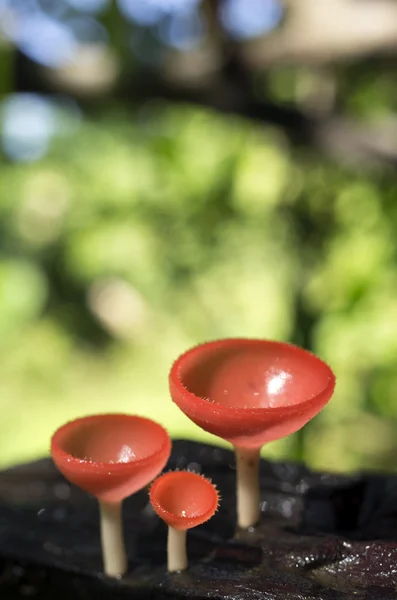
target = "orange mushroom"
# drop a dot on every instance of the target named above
(111, 456)
(250, 392)
(183, 500)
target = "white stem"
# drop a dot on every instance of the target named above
(177, 558)
(248, 493)
(113, 549)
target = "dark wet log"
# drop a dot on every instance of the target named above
(322, 537)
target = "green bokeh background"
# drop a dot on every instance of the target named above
(147, 230)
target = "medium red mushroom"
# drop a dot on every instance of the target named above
(183, 500)
(111, 456)
(250, 392)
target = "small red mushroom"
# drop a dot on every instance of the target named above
(111, 456)
(183, 500)
(250, 392)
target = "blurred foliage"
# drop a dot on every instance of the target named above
(128, 234)
(139, 236)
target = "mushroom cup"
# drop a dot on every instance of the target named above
(250, 392)
(111, 456)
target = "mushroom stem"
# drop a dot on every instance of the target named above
(177, 558)
(248, 493)
(112, 539)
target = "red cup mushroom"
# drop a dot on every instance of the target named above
(111, 456)
(250, 392)
(183, 500)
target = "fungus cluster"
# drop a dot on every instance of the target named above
(248, 392)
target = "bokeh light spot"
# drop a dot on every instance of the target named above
(27, 124)
(182, 30)
(45, 40)
(244, 19)
(87, 30)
